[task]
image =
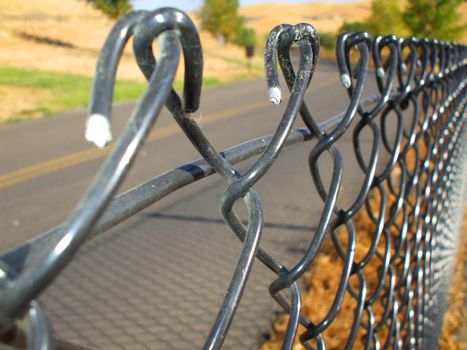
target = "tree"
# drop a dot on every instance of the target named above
(355, 27)
(112, 8)
(434, 19)
(220, 17)
(386, 18)
(423, 18)
(246, 37)
(327, 40)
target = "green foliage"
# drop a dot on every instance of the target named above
(246, 37)
(434, 19)
(112, 8)
(423, 18)
(220, 17)
(355, 27)
(386, 18)
(327, 40)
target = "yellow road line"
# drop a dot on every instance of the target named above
(33, 171)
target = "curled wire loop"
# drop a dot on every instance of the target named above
(419, 107)
(17, 293)
(171, 19)
(407, 143)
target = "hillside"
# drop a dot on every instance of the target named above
(59, 41)
(325, 16)
(65, 36)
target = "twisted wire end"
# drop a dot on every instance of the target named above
(275, 95)
(380, 72)
(98, 130)
(345, 80)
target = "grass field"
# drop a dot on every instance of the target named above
(56, 91)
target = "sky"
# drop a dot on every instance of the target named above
(189, 5)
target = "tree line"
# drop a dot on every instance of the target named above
(435, 19)
(219, 17)
(439, 19)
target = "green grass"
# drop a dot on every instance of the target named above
(66, 91)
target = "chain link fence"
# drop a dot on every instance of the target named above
(411, 193)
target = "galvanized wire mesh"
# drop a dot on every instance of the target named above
(410, 194)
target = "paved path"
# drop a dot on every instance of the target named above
(156, 281)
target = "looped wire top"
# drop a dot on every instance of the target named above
(145, 27)
(385, 71)
(279, 41)
(407, 64)
(17, 292)
(172, 19)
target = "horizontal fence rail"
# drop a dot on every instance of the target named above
(411, 192)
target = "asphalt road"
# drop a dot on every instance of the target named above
(156, 280)
(46, 164)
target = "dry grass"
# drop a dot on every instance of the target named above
(323, 279)
(454, 319)
(325, 16)
(78, 31)
(70, 21)
(322, 283)
(70, 34)
(16, 106)
(82, 30)
(78, 24)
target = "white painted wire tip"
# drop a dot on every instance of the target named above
(404, 67)
(275, 95)
(380, 72)
(345, 80)
(98, 130)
